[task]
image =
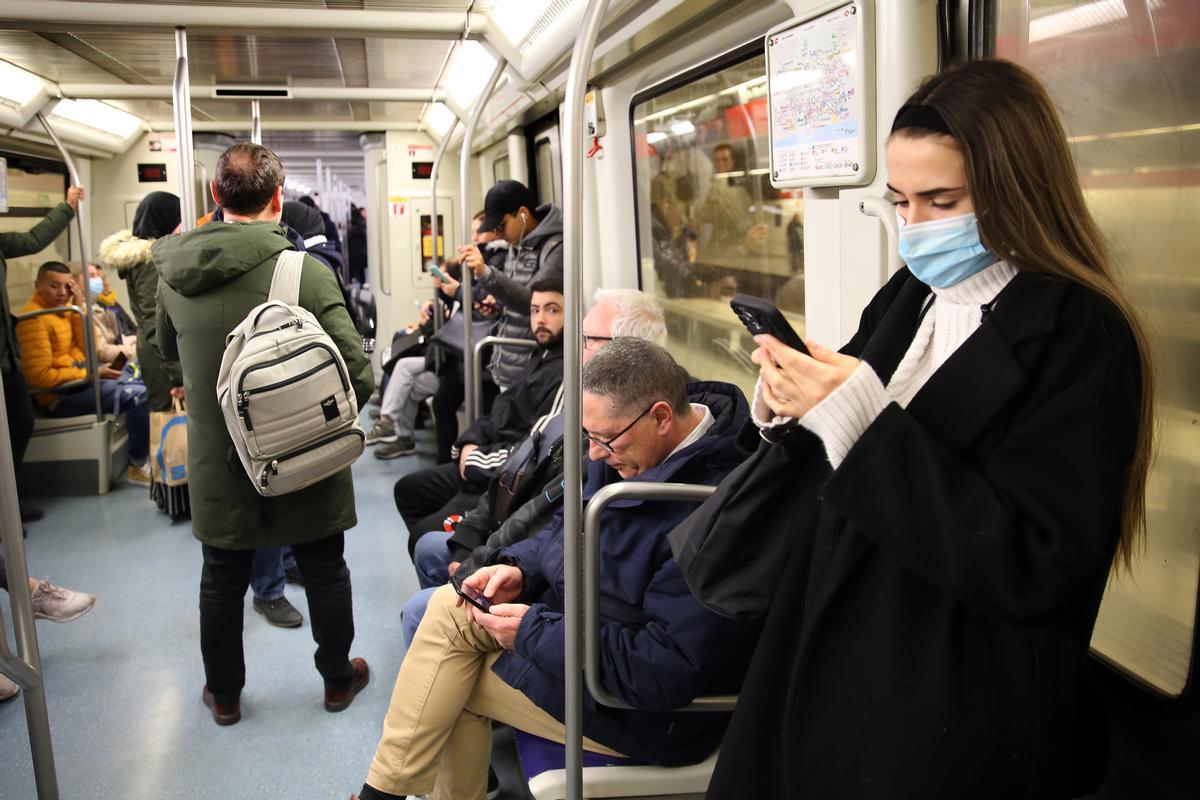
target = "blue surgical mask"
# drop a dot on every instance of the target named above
(943, 252)
(96, 285)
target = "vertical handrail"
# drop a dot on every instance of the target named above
(89, 331)
(433, 213)
(464, 178)
(27, 670)
(181, 101)
(255, 122)
(572, 152)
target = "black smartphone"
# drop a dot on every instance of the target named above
(118, 362)
(761, 316)
(470, 595)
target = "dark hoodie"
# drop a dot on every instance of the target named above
(211, 278)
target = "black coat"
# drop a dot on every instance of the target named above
(929, 604)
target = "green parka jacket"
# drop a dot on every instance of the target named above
(130, 257)
(211, 278)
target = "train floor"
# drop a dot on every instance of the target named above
(123, 681)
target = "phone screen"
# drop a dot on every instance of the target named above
(119, 361)
(441, 276)
(472, 596)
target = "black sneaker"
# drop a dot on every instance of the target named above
(280, 613)
(404, 445)
(493, 788)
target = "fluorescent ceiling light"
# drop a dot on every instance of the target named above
(439, 118)
(17, 85)
(515, 18)
(467, 73)
(98, 115)
(654, 137)
(682, 127)
(1074, 20)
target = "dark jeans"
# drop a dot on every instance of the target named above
(223, 584)
(129, 398)
(427, 497)
(3, 573)
(19, 406)
(267, 574)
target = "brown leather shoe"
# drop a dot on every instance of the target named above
(223, 713)
(340, 699)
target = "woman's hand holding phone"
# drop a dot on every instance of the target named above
(793, 383)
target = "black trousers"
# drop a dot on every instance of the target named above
(19, 405)
(449, 396)
(223, 584)
(428, 496)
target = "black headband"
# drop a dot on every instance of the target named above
(915, 115)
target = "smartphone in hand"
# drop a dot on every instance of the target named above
(441, 276)
(470, 595)
(761, 316)
(118, 362)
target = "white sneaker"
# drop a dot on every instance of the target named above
(8, 689)
(59, 604)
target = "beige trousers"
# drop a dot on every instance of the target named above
(437, 735)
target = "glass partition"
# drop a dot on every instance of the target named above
(709, 223)
(1124, 77)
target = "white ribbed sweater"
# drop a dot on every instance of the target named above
(840, 419)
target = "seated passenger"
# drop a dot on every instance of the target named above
(412, 381)
(427, 497)
(512, 510)
(534, 254)
(52, 354)
(659, 648)
(109, 325)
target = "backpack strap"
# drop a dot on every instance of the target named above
(285, 280)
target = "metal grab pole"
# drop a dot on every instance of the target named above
(255, 122)
(433, 213)
(27, 674)
(572, 153)
(182, 106)
(89, 344)
(465, 226)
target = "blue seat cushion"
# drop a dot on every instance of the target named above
(538, 755)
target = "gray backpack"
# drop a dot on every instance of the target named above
(285, 392)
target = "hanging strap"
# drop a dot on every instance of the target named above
(285, 280)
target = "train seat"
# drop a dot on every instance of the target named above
(74, 456)
(543, 761)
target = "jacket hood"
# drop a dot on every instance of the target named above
(216, 253)
(550, 225)
(123, 251)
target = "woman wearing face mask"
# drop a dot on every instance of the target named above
(115, 334)
(929, 522)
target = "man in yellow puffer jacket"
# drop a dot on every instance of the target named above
(52, 354)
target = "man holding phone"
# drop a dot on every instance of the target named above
(52, 347)
(659, 647)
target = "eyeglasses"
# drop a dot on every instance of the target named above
(607, 446)
(587, 341)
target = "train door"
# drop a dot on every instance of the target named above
(1123, 75)
(547, 180)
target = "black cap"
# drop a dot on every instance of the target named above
(505, 198)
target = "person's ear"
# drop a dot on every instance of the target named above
(663, 415)
(277, 201)
(212, 189)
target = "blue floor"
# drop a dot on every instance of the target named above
(123, 682)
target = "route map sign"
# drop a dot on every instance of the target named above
(817, 87)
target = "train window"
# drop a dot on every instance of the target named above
(549, 177)
(1121, 81)
(500, 170)
(709, 223)
(34, 188)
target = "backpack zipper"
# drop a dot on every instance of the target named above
(273, 467)
(243, 394)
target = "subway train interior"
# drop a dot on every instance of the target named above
(647, 124)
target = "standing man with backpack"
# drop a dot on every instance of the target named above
(534, 237)
(211, 278)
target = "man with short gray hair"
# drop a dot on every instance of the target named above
(659, 648)
(210, 279)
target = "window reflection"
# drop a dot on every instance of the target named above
(710, 225)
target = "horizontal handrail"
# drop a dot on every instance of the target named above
(591, 570)
(76, 384)
(488, 341)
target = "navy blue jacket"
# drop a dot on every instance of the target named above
(659, 647)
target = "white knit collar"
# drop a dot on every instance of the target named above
(980, 288)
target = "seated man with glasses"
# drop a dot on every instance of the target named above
(659, 648)
(428, 497)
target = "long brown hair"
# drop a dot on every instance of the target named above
(1030, 208)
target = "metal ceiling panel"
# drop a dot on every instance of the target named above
(404, 63)
(42, 57)
(367, 5)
